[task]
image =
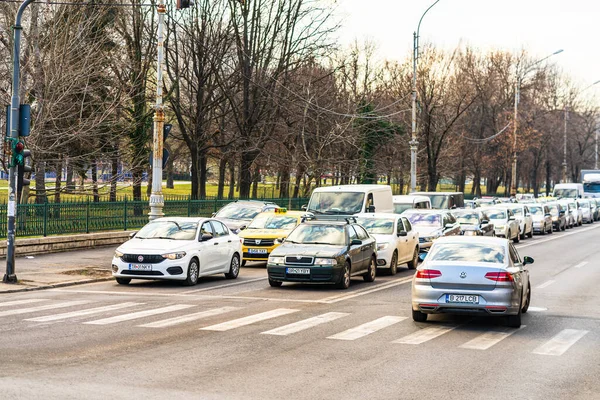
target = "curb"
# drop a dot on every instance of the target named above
(57, 285)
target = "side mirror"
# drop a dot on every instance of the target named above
(561, 212)
(371, 209)
(527, 260)
(304, 207)
(402, 233)
(356, 242)
(242, 227)
(485, 222)
(205, 237)
(511, 218)
(132, 235)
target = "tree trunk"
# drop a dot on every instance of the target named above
(203, 176)
(114, 171)
(136, 173)
(170, 180)
(194, 170)
(149, 185)
(95, 181)
(247, 159)
(41, 196)
(255, 181)
(548, 177)
(231, 180)
(70, 184)
(222, 171)
(57, 183)
(284, 183)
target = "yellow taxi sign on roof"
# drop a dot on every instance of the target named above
(282, 210)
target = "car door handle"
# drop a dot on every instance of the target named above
(229, 241)
(216, 243)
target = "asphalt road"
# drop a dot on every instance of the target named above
(242, 339)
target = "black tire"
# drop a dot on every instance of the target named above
(123, 281)
(394, 264)
(551, 230)
(234, 267)
(564, 227)
(273, 283)
(371, 273)
(543, 230)
(517, 239)
(514, 321)
(531, 232)
(243, 263)
(412, 264)
(527, 300)
(344, 282)
(192, 273)
(418, 316)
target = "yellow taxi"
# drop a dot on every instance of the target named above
(266, 230)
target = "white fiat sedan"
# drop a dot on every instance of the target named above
(176, 248)
(397, 242)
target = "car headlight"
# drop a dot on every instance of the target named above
(174, 256)
(382, 246)
(325, 261)
(276, 260)
(499, 226)
(554, 219)
(471, 233)
(118, 254)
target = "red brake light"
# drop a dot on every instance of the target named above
(499, 276)
(428, 273)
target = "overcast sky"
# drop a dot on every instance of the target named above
(539, 26)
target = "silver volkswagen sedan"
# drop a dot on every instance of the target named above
(472, 275)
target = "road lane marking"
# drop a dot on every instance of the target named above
(236, 323)
(19, 302)
(368, 328)
(305, 324)
(560, 343)
(81, 313)
(224, 286)
(581, 264)
(556, 237)
(537, 309)
(42, 308)
(545, 284)
(489, 339)
(139, 314)
(362, 292)
(188, 318)
(424, 335)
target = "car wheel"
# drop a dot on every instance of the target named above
(543, 230)
(527, 300)
(419, 316)
(514, 321)
(394, 264)
(192, 275)
(274, 283)
(531, 233)
(412, 264)
(517, 238)
(551, 230)
(123, 281)
(564, 227)
(369, 276)
(344, 282)
(234, 267)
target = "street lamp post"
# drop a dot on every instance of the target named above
(520, 76)
(414, 143)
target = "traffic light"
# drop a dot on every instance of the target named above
(181, 4)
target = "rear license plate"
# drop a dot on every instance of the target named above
(140, 267)
(301, 271)
(462, 298)
(257, 251)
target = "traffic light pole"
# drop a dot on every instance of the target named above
(156, 198)
(10, 276)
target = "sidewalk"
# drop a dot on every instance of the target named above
(59, 269)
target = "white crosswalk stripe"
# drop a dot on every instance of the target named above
(236, 323)
(368, 328)
(19, 302)
(305, 324)
(489, 339)
(42, 308)
(82, 313)
(560, 343)
(188, 318)
(424, 335)
(139, 314)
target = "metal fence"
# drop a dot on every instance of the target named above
(85, 217)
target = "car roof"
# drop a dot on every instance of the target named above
(428, 193)
(183, 219)
(328, 222)
(472, 239)
(425, 211)
(351, 188)
(377, 215)
(409, 197)
(257, 203)
(290, 213)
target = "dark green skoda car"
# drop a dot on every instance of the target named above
(327, 252)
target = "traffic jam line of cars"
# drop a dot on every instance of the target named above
(355, 230)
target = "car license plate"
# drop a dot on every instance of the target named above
(257, 251)
(301, 271)
(462, 298)
(140, 267)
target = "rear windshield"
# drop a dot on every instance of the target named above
(468, 252)
(496, 214)
(433, 220)
(468, 218)
(377, 225)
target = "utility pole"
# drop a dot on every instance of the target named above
(10, 276)
(513, 180)
(564, 164)
(156, 198)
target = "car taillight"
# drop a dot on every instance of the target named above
(499, 276)
(428, 273)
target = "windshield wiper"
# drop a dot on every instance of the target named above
(317, 243)
(314, 211)
(291, 241)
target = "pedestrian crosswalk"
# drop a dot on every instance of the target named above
(396, 329)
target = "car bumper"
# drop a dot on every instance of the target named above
(499, 301)
(538, 226)
(249, 255)
(501, 232)
(167, 269)
(318, 274)
(384, 257)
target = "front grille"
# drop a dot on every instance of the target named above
(175, 270)
(147, 258)
(146, 273)
(422, 240)
(263, 242)
(299, 260)
(253, 255)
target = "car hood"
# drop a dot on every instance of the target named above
(469, 227)
(382, 238)
(499, 221)
(264, 233)
(537, 218)
(152, 246)
(234, 224)
(425, 231)
(314, 250)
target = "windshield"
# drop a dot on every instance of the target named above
(273, 221)
(468, 219)
(400, 208)
(572, 193)
(554, 210)
(584, 204)
(317, 234)
(432, 220)
(238, 211)
(517, 211)
(591, 187)
(439, 201)
(168, 230)
(536, 210)
(468, 252)
(336, 202)
(377, 226)
(496, 214)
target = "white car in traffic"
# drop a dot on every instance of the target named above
(505, 224)
(397, 242)
(542, 218)
(177, 248)
(522, 216)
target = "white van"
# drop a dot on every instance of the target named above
(351, 199)
(568, 190)
(406, 202)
